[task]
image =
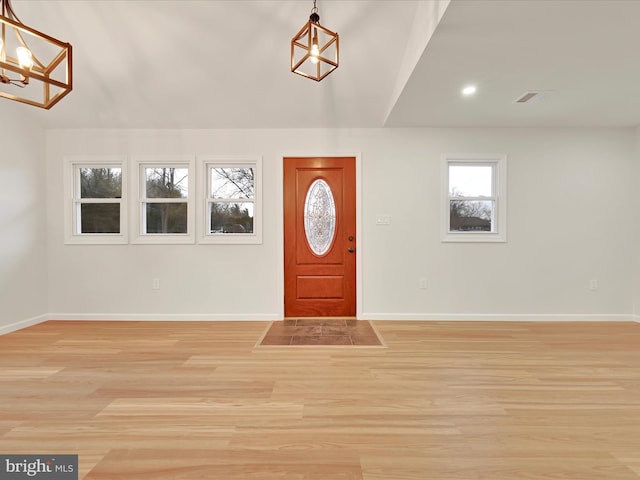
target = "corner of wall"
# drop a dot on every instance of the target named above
(636, 226)
(23, 265)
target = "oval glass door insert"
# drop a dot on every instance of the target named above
(319, 217)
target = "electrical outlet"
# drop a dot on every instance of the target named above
(155, 284)
(422, 283)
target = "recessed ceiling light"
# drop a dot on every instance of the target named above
(469, 90)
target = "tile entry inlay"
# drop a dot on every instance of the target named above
(321, 331)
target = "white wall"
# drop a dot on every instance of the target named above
(23, 282)
(567, 225)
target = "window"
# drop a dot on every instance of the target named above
(474, 207)
(232, 200)
(96, 188)
(165, 192)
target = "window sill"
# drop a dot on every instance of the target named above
(164, 239)
(474, 237)
(231, 239)
(92, 239)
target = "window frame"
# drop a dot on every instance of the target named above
(140, 163)
(498, 162)
(73, 165)
(206, 163)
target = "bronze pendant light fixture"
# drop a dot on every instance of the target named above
(34, 68)
(315, 50)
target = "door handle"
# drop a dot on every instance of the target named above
(350, 249)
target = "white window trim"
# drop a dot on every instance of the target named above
(207, 161)
(499, 161)
(179, 161)
(71, 188)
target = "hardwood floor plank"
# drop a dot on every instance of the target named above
(229, 464)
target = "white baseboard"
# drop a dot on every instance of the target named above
(269, 317)
(163, 317)
(501, 317)
(12, 327)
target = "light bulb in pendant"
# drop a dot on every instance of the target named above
(314, 51)
(25, 59)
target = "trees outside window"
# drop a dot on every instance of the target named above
(232, 197)
(99, 202)
(165, 199)
(232, 203)
(97, 209)
(164, 209)
(475, 198)
(167, 193)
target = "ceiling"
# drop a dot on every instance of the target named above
(225, 64)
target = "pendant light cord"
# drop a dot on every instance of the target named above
(7, 11)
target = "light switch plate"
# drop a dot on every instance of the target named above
(383, 219)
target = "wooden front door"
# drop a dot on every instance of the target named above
(319, 237)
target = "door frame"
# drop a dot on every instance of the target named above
(359, 229)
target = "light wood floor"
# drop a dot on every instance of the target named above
(443, 401)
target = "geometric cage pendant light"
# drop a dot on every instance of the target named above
(315, 50)
(34, 68)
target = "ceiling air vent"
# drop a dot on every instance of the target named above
(531, 96)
